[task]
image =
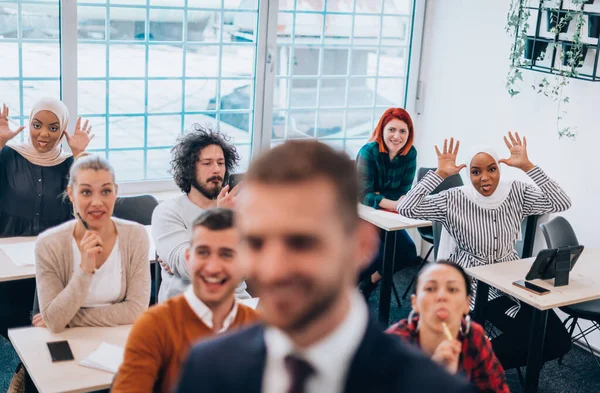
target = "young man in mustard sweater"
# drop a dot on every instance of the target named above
(161, 338)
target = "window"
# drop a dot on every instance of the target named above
(29, 43)
(262, 71)
(341, 64)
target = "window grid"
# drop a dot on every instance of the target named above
(348, 46)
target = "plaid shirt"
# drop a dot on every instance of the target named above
(477, 360)
(381, 178)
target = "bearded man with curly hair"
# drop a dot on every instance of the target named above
(201, 163)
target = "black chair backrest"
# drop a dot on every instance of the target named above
(559, 233)
(136, 208)
(437, 234)
(449, 182)
(524, 246)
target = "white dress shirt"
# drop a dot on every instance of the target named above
(105, 288)
(205, 314)
(330, 357)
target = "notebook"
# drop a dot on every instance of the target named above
(107, 358)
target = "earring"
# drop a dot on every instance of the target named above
(411, 315)
(467, 328)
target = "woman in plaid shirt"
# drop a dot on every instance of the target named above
(386, 168)
(442, 297)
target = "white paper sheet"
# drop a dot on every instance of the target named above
(22, 253)
(252, 303)
(107, 358)
(397, 217)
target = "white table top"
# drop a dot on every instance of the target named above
(387, 220)
(69, 376)
(10, 271)
(584, 281)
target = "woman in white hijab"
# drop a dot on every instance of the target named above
(33, 175)
(482, 223)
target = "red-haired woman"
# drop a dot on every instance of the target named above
(386, 169)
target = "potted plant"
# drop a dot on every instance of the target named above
(534, 48)
(558, 21)
(594, 26)
(572, 56)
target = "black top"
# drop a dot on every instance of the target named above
(31, 195)
(235, 363)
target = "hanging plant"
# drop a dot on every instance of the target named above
(525, 49)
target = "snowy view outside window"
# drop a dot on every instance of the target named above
(148, 69)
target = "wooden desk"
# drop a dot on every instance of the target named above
(10, 271)
(62, 377)
(584, 285)
(391, 223)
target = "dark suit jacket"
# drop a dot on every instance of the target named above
(383, 363)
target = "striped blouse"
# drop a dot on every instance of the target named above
(484, 236)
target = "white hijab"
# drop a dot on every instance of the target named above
(56, 155)
(447, 243)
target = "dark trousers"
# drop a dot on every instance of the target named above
(512, 345)
(16, 302)
(406, 252)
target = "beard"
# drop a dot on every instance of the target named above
(208, 189)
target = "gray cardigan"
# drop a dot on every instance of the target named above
(61, 292)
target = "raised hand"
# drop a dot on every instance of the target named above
(447, 355)
(447, 159)
(228, 198)
(6, 134)
(90, 246)
(81, 137)
(518, 153)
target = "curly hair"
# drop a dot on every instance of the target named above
(186, 154)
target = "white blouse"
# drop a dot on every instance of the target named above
(106, 283)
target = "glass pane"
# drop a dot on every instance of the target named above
(166, 24)
(39, 21)
(9, 20)
(98, 125)
(10, 60)
(332, 93)
(244, 25)
(47, 54)
(236, 94)
(9, 95)
(163, 130)
(335, 62)
(92, 97)
(165, 61)
(392, 62)
(91, 23)
(364, 61)
(361, 91)
(330, 124)
(303, 93)
(237, 61)
(127, 60)
(338, 29)
(395, 27)
(158, 164)
(369, 6)
(389, 91)
(201, 26)
(359, 123)
(126, 96)
(202, 61)
(129, 165)
(164, 96)
(127, 24)
(301, 124)
(91, 60)
(33, 90)
(200, 95)
(126, 131)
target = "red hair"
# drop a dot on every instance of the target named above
(389, 115)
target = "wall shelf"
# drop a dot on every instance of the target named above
(554, 44)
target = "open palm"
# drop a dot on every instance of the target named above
(6, 134)
(447, 159)
(81, 138)
(518, 152)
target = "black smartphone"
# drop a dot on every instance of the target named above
(60, 351)
(234, 179)
(526, 285)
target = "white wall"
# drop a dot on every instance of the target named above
(463, 72)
